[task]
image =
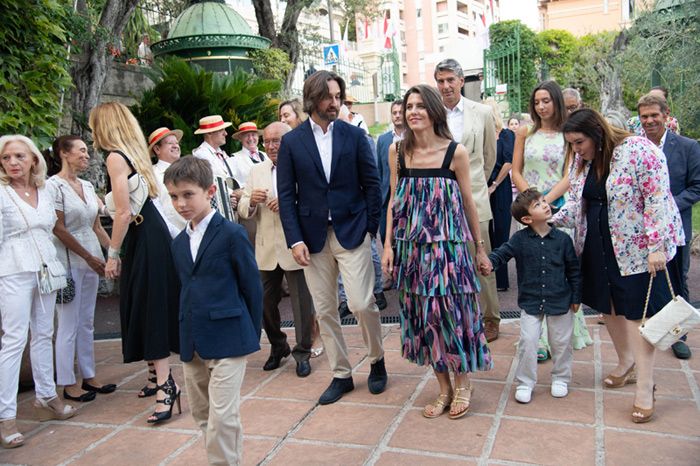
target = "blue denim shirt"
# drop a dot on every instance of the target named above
(549, 274)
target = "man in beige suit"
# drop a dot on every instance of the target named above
(473, 126)
(259, 202)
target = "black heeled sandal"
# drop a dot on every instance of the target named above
(147, 391)
(172, 395)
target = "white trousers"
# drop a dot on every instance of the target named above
(355, 267)
(74, 335)
(23, 308)
(560, 330)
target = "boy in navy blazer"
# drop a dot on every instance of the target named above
(220, 307)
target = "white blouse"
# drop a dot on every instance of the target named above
(18, 251)
(79, 217)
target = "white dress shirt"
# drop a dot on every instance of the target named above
(455, 120)
(174, 221)
(324, 143)
(273, 194)
(209, 153)
(197, 233)
(241, 162)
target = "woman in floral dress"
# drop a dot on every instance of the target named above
(429, 223)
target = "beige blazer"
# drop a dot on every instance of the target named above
(270, 244)
(479, 138)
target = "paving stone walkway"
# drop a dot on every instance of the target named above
(284, 425)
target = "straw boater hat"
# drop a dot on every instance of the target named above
(211, 123)
(351, 99)
(247, 127)
(161, 133)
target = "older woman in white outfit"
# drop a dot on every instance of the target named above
(27, 218)
(78, 236)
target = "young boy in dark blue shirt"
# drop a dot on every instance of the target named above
(549, 286)
(220, 307)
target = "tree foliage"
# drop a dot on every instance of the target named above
(502, 35)
(271, 63)
(34, 63)
(184, 93)
(557, 50)
(664, 49)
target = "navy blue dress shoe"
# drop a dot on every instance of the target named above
(336, 390)
(377, 377)
(303, 368)
(681, 350)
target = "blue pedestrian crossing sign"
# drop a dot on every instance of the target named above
(330, 54)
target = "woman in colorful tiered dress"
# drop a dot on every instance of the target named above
(429, 222)
(539, 161)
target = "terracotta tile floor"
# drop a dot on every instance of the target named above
(284, 425)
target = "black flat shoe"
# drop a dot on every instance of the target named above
(274, 361)
(681, 350)
(84, 397)
(106, 388)
(336, 390)
(303, 368)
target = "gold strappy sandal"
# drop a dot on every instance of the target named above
(437, 407)
(462, 396)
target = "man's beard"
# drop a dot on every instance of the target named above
(326, 116)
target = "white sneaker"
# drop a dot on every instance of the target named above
(523, 394)
(559, 389)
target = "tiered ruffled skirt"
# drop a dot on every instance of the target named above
(436, 279)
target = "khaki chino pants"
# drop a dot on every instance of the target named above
(214, 394)
(355, 267)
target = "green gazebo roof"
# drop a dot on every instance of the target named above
(209, 29)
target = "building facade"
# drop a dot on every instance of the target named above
(581, 17)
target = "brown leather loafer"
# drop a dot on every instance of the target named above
(491, 331)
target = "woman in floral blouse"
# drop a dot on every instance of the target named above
(627, 226)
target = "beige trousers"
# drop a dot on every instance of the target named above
(355, 267)
(488, 298)
(214, 394)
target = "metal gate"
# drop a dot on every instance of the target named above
(502, 72)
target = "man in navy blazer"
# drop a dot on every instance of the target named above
(329, 202)
(383, 143)
(683, 160)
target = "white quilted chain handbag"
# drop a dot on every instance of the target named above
(668, 325)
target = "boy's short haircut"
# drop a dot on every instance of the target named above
(190, 169)
(520, 206)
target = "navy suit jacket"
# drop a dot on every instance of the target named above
(352, 196)
(383, 143)
(221, 296)
(683, 159)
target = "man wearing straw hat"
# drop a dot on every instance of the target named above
(164, 144)
(355, 119)
(213, 129)
(242, 161)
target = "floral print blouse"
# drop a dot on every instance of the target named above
(643, 216)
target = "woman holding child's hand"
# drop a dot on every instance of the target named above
(627, 227)
(430, 220)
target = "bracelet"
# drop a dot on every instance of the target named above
(113, 253)
(479, 243)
